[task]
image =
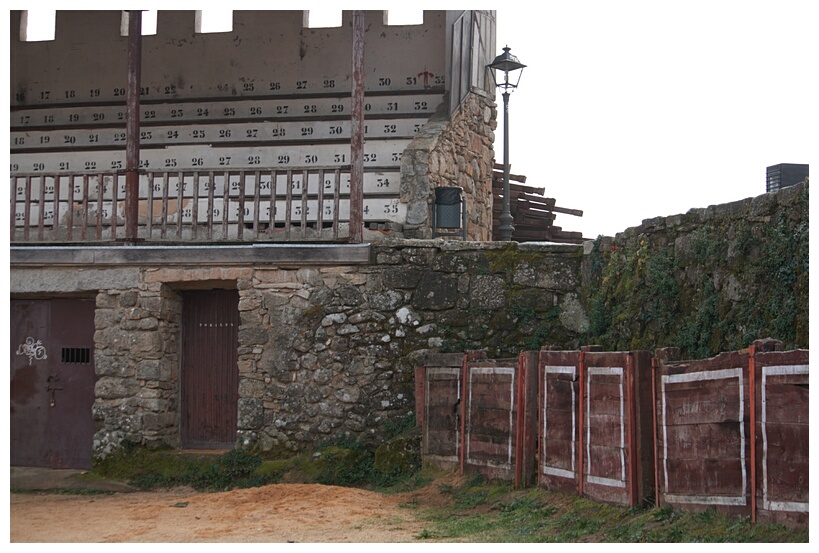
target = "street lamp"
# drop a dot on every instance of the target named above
(507, 63)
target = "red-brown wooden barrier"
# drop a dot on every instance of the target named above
(497, 422)
(702, 418)
(616, 453)
(559, 427)
(620, 427)
(779, 458)
(438, 392)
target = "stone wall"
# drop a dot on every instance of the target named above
(452, 152)
(328, 352)
(713, 279)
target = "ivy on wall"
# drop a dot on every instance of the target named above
(706, 283)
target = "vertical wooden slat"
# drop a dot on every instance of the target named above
(85, 202)
(165, 192)
(258, 192)
(114, 198)
(41, 218)
(13, 207)
(336, 202)
(180, 188)
(195, 206)
(320, 214)
(271, 213)
(56, 203)
(304, 180)
(241, 225)
(211, 184)
(288, 203)
(225, 205)
(149, 224)
(100, 198)
(27, 210)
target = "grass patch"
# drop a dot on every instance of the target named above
(535, 515)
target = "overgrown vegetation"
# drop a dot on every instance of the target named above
(340, 462)
(481, 512)
(704, 287)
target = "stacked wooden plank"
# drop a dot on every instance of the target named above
(533, 214)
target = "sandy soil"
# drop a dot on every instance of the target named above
(298, 513)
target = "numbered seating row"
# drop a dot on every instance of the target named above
(231, 211)
(202, 184)
(263, 109)
(377, 153)
(228, 133)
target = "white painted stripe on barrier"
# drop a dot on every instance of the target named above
(607, 371)
(695, 377)
(546, 469)
(611, 482)
(552, 471)
(790, 506)
(776, 370)
(706, 499)
(702, 375)
(492, 370)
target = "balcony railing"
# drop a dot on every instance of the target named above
(299, 204)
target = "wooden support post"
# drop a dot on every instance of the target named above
(654, 364)
(357, 133)
(752, 437)
(132, 125)
(581, 405)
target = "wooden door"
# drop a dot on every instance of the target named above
(210, 373)
(52, 383)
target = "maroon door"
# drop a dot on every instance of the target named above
(52, 383)
(210, 373)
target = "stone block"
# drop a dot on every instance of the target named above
(436, 291)
(250, 414)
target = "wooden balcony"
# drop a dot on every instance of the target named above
(310, 204)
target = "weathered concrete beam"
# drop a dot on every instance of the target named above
(255, 254)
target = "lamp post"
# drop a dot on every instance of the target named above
(507, 63)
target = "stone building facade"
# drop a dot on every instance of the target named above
(325, 351)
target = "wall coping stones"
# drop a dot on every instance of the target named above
(221, 255)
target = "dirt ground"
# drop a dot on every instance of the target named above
(300, 513)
